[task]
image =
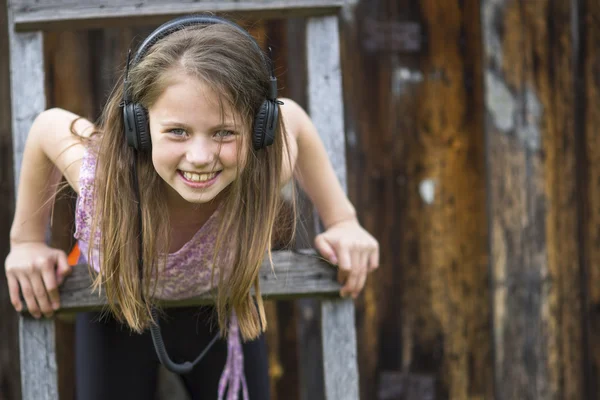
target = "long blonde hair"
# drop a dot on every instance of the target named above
(230, 64)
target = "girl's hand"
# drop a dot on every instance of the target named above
(350, 247)
(38, 270)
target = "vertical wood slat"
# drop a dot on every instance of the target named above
(325, 104)
(516, 204)
(529, 66)
(39, 375)
(590, 47)
(9, 348)
(39, 378)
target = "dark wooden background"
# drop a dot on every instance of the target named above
(473, 156)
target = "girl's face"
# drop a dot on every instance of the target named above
(194, 145)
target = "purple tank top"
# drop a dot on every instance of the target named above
(187, 272)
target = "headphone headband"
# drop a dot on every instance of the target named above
(181, 23)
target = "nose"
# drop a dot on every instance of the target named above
(201, 151)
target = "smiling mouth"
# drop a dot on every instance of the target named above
(195, 177)
(199, 181)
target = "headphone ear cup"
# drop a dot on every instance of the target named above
(129, 125)
(272, 120)
(142, 128)
(265, 124)
(260, 123)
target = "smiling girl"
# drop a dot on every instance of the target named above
(209, 192)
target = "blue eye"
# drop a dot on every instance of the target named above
(178, 132)
(224, 134)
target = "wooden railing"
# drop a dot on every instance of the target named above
(293, 275)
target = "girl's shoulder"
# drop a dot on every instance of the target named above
(294, 117)
(63, 136)
(294, 121)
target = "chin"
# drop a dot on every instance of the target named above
(199, 199)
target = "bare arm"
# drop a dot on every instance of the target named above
(32, 268)
(51, 151)
(344, 242)
(313, 170)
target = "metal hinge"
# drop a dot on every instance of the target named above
(392, 36)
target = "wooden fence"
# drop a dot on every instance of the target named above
(472, 147)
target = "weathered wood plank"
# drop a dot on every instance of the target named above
(382, 149)
(56, 14)
(27, 87)
(446, 315)
(38, 359)
(325, 104)
(590, 177)
(38, 363)
(325, 101)
(559, 78)
(9, 347)
(293, 275)
(339, 349)
(517, 203)
(535, 242)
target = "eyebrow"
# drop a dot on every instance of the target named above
(226, 124)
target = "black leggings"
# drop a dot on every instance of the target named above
(112, 363)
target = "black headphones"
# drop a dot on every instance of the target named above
(135, 116)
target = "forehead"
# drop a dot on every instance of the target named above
(191, 101)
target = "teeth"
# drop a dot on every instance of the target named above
(190, 176)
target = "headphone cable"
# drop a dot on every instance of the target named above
(157, 339)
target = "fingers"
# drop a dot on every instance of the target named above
(64, 269)
(38, 287)
(358, 274)
(374, 259)
(325, 249)
(352, 268)
(29, 296)
(362, 274)
(50, 282)
(41, 295)
(13, 291)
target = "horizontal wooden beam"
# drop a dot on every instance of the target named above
(294, 275)
(87, 14)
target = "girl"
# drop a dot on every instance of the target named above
(178, 193)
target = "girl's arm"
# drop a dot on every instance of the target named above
(344, 242)
(51, 151)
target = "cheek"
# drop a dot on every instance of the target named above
(163, 159)
(230, 156)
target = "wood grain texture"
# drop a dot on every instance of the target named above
(535, 250)
(325, 102)
(325, 105)
(283, 343)
(9, 346)
(293, 275)
(590, 85)
(339, 349)
(72, 14)
(416, 170)
(557, 74)
(381, 133)
(36, 338)
(452, 222)
(27, 87)
(37, 350)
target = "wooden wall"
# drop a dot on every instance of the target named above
(473, 156)
(10, 387)
(416, 168)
